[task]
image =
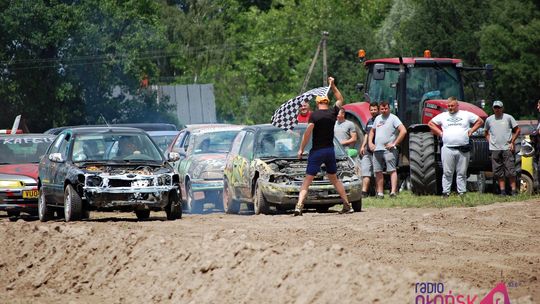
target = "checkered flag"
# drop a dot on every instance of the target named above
(286, 116)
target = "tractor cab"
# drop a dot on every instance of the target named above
(416, 88)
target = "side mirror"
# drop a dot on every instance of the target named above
(489, 71)
(378, 71)
(352, 153)
(173, 156)
(56, 157)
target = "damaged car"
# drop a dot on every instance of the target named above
(203, 149)
(263, 170)
(103, 169)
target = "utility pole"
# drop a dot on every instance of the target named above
(322, 44)
(325, 67)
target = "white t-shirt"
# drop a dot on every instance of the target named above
(455, 127)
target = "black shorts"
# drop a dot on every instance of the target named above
(503, 163)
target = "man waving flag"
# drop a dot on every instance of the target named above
(286, 116)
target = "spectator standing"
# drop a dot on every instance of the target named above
(384, 137)
(535, 139)
(365, 152)
(321, 125)
(454, 128)
(501, 131)
(305, 113)
(345, 131)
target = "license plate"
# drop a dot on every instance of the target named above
(30, 194)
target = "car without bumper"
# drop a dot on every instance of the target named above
(263, 170)
(103, 169)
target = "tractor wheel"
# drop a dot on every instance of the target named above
(426, 176)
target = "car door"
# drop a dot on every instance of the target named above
(47, 168)
(60, 172)
(230, 163)
(182, 163)
(241, 165)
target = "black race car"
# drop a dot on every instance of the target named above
(106, 168)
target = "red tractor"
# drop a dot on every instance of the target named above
(417, 89)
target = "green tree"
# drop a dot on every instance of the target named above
(64, 58)
(511, 41)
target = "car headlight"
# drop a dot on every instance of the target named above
(164, 180)
(11, 184)
(94, 181)
(212, 175)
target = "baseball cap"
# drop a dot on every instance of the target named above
(497, 103)
(323, 99)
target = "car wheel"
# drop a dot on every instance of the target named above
(44, 213)
(142, 214)
(526, 184)
(174, 209)
(72, 204)
(357, 205)
(259, 202)
(193, 205)
(230, 205)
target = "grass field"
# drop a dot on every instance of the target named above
(406, 199)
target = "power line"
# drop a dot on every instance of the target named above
(43, 63)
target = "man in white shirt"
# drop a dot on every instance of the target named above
(454, 128)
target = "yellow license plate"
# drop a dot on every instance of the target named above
(30, 194)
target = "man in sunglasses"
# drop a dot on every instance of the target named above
(501, 131)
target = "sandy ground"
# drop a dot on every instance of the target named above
(376, 256)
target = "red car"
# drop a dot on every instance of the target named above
(19, 159)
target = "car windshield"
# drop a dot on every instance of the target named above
(120, 147)
(23, 149)
(277, 143)
(214, 142)
(163, 141)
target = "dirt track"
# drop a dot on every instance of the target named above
(376, 256)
